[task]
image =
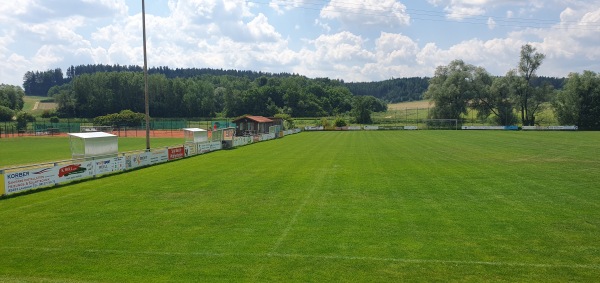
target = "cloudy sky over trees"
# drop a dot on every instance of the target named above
(353, 40)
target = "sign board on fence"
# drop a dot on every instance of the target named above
(563, 128)
(410, 127)
(159, 156)
(20, 181)
(203, 148)
(109, 165)
(215, 146)
(191, 149)
(135, 160)
(75, 171)
(176, 153)
(370, 128)
(483, 127)
(313, 128)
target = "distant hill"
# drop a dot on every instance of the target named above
(394, 90)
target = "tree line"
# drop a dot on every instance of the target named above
(102, 93)
(518, 96)
(38, 83)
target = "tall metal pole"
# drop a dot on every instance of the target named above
(146, 79)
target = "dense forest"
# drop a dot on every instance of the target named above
(101, 93)
(38, 83)
(392, 91)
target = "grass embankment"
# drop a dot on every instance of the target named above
(330, 206)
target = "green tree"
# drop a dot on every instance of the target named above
(340, 122)
(529, 99)
(579, 101)
(12, 97)
(361, 110)
(288, 121)
(6, 114)
(22, 119)
(453, 87)
(498, 100)
(124, 118)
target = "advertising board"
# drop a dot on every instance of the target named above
(176, 153)
(135, 160)
(75, 171)
(20, 181)
(109, 165)
(159, 156)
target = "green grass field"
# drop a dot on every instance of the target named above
(32, 150)
(329, 206)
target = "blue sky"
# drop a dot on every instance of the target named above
(353, 40)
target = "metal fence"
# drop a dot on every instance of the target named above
(47, 127)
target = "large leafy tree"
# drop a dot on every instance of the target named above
(11, 97)
(498, 100)
(6, 114)
(361, 110)
(453, 87)
(579, 101)
(529, 99)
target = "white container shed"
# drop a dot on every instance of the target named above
(93, 144)
(195, 135)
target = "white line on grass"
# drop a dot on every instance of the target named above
(327, 257)
(294, 218)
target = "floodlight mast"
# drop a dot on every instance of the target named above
(147, 105)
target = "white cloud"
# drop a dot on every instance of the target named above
(367, 12)
(332, 55)
(464, 9)
(460, 12)
(236, 34)
(323, 25)
(497, 55)
(491, 23)
(260, 29)
(395, 48)
(281, 6)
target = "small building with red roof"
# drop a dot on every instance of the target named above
(249, 125)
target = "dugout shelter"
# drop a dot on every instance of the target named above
(92, 144)
(195, 135)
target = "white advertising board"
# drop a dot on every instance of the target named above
(20, 181)
(562, 128)
(135, 160)
(75, 171)
(203, 147)
(109, 165)
(159, 156)
(483, 127)
(215, 146)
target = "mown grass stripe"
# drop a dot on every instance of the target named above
(330, 257)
